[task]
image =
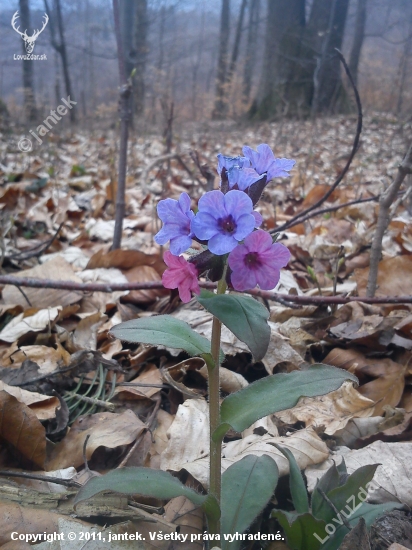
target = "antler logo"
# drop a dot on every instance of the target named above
(29, 41)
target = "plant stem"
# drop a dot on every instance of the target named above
(214, 412)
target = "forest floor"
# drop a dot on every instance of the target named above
(75, 402)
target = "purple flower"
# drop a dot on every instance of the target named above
(224, 220)
(257, 262)
(237, 172)
(176, 217)
(264, 161)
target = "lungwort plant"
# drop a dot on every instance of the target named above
(240, 256)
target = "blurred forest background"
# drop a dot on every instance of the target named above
(219, 59)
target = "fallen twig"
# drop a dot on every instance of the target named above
(153, 285)
(40, 477)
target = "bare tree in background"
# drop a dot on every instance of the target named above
(403, 68)
(250, 55)
(56, 26)
(355, 53)
(28, 81)
(236, 44)
(140, 40)
(220, 98)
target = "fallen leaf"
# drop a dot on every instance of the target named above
(388, 377)
(105, 429)
(21, 325)
(43, 406)
(332, 411)
(20, 427)
(394, 277)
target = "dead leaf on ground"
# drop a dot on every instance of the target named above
(21, 325)
(150, 375)
(20, 427)
(332, 411)
(85, 335)
(394, 277)
(43, 406)
(47, 357)
(105, 429)
(56, 269)
(389, 380)
(189, 517)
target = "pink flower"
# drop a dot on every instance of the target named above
(257, 262)
(181, 275)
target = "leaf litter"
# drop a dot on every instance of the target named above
(75, 400)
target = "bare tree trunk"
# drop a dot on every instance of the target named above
(285, 24)
(141, 24)
(358, 39)
(254, 9)
(404, 66)
(124, 108)
(328, 75)
(28, 81)
(60, 47)
(220, 98)
(238, 38)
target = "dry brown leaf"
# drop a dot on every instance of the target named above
(394, 277)
(151, 375)
(105, 429)
(46, 357)
(229, 381)
(332, 411)
(143, 274)
(20, 427)
(189, 517)
(389, 380)
(43, 406)
(21, 325)
(160, 440)
(56, 269)
(85, 335)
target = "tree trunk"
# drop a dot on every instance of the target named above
(238, 38)
(141, 55)
(250, 48)
(285, 24)
(327, 75)
(60, 47)
(358, 39)
(28, 81)
(404, 66)
(220, 98)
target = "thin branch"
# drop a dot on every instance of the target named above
(385, 203)
(153, 285)
(39, 477)
(297, 219)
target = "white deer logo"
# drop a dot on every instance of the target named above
(29, 41)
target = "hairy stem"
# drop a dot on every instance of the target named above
(214, 413)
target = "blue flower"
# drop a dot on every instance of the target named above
(237, 171)
(176, 217)
(264, 161)
(224, 220)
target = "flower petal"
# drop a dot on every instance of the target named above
(222, 243)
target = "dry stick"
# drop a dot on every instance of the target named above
(36, 250)
(385, 203)
(355, 145)
(40, 477)
(124, 108)
(266, 294)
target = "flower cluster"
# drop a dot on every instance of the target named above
(227, 224)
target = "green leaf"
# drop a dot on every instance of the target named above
(277, 393)
(162, 330)
(326, 483)
(247, 486)
(297, 485)
(352, 493)
(139, 481)
(303, 531)
(369, 512)
(244, 316)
